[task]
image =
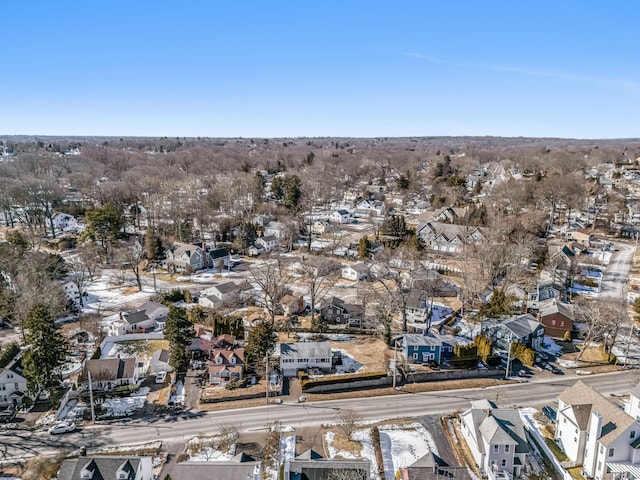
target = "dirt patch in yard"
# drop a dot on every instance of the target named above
(369, 351)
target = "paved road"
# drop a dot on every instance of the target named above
(614, 286)
(178, 429)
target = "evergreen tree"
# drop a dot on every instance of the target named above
(179, 332)
(260, 343)
(364, 245)
(152, 245)
(46, 350)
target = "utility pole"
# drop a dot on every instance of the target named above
(506, 374)
(267, 379)
(93, 414)
(395, 362)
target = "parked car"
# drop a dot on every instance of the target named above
(549, 412)
(161, 376)
(62, 427)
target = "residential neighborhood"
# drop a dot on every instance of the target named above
(140, 314)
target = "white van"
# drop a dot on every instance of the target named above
(161, 377)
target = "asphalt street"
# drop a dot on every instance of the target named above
(177, 429)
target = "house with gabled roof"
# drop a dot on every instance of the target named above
(109, 373)
(432, 467)
(523, 329)
(106, 468)
(132, 322)
(496, 438)
(267, 243)
(310, 465)
(336, 310)
(594, 432)
(556, 316)
(448, 238)
(240, 467)
(13, 384)
(356, 272)
(184, 257)
(225, 365)
(302, 355)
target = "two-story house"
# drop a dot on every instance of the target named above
(225, 294)
(448, 238)
(184, 257)
(337, 310)
(302, 355)
(418, 348)
(12, 384)
(109, 373)
(341, 216)
(226, 364)
(496, 439)
(356, 272)
(523, 329)
(594, 432)
(557, 317)
(267, 243)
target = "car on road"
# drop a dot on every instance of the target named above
(549, 412)
(161, 376)
(62, 427)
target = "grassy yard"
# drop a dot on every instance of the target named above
(576, 473)
(143, 349)
(559, 454)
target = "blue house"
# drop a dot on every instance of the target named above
(418, 348)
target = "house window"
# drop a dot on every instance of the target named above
(504, 462)
(632, 434)
(415, 356)
(506, 449)
(601, 451)
(495, 448)
(611, 450)
(553, 322)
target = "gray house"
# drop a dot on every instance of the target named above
(303, 355)
(524, 329)
(310, 465)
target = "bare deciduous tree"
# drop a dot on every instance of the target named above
(273, 277)
(349, 420)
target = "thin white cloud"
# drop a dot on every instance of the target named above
(633, 87)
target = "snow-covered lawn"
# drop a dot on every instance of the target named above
(363, 437)
(349, 364)
(177, 398)
(124, 406)
(551, 347)
(205, 449)
(567, 363)
(402, 445)
(102, 294)
(467, 328)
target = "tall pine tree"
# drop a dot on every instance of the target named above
(179, 332)
(46, 350)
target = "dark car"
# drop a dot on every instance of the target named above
(549, 412)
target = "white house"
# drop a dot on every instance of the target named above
(356, 272)
(277, 229)
(109, 373)
(496, 439)
(72, 293)
(224, 292)
(303, 355)
(63, 222)
(368, 208)
(12, 384)
(267, 243)
(340, 216)
(132, 322)
(594, 432)
(632, 407)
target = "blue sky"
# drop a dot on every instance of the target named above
(321, 68)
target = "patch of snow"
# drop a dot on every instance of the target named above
(550, 346)
(349, 364)
(402, 445)
(287, 447)
(363, 437)
(567, 363)
(122, 407)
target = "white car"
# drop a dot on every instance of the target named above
(62, 427)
